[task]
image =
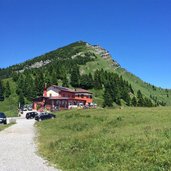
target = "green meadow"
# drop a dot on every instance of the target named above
(128, 139)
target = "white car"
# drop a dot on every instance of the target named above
(72, 106)
(22, 113)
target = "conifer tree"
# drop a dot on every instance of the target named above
(127, 99)
(1, 91)
(131, 89)
(15, 76)
(54, 79)
(29, 91)
(147, 102)
(91, 81)
(140, 99)
(97, 80)
(134, 101)
(65, 82)
(47, 80)
(108, 102)
(75, 77)
(39, 83)
(7, 90)
(21, 100)
(115, 92)
(20, 84)
(86, 81)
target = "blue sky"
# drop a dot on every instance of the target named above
(136, 32)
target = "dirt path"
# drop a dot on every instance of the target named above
(17, 149)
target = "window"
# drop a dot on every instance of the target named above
(57, 102)
(63, 102)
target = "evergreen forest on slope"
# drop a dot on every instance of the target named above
(78, 65)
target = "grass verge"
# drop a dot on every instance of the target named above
(105, 139)
(2, 126)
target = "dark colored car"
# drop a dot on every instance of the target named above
(3, 118)
(31, 115)
(44, 116)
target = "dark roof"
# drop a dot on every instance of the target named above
(77, 90)
(80, 90)
(62, 88)
(40, 97)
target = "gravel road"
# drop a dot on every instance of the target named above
(18, 151)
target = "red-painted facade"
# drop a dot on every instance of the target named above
(56, 97)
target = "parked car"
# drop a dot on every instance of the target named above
(22, 112)
(44, 116)
(3, 118)
(31, 115)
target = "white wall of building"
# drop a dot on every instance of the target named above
(52, 91)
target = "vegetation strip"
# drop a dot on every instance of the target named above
(2, 127)
(105, 139)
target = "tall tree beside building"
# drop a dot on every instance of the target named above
(29, 91)
(54, 78)
(47, 79)
(86, 81)
(108, 102)
(20, 84)
(21, 100)
(7, 89)
(65, 82)
(91, 81)
(115, 92)
(75, 76)
(39, 83)
(1, 91)
(97, 80)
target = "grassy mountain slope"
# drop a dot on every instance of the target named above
(9, 105)
(147, 89)
(137, 83)
(90, 59)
